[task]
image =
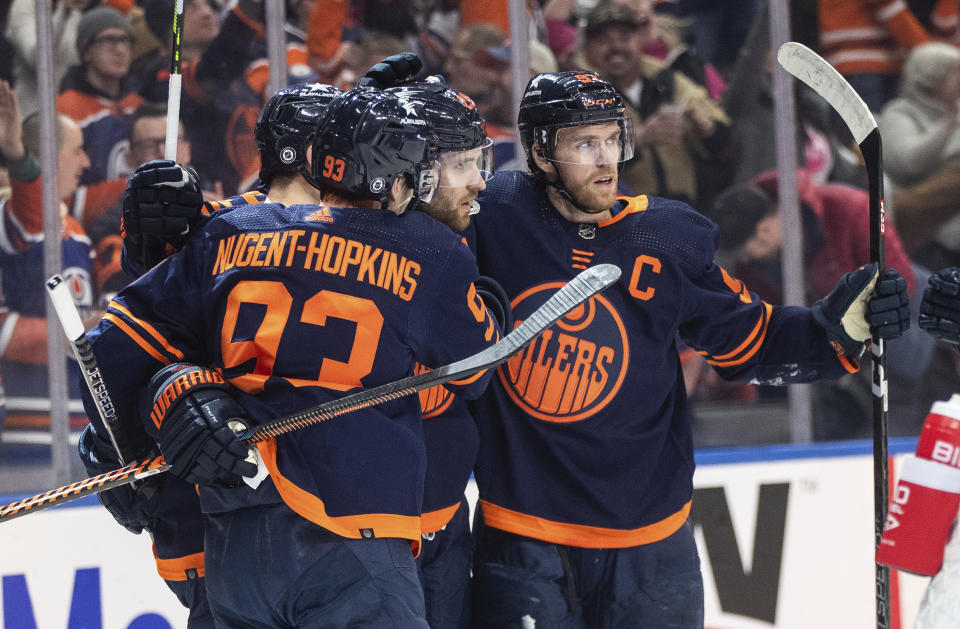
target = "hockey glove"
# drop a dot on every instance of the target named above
(190, 419)
(889, 310)
(131, 507)
(393, 71)
(496, 301)
(940, 308)
(161, 204)
(853, 309)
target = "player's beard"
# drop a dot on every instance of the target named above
(450, 206)
(589, 194)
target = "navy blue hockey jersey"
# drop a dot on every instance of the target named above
(452, 444)
(585, 436)
(449, 431)
(300, 305)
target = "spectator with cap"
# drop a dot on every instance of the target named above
(681, 134)
(468, 76)
(495, 61)
(95, 94)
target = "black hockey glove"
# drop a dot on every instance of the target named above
(161, 204)
(496, 301)
(393, 71)
(131, 507)
(889, 310)
(190, 419)
(854, 308)
(940, 308)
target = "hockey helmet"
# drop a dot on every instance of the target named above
(555, 100)
(369, 138)
(286, 125)
(459, 129)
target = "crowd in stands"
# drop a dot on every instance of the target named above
(695, 74)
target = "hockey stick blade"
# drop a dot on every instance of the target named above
(824, 79)
(576, 292)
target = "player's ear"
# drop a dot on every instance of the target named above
(540, 159)
(309, 158)
(400, 196)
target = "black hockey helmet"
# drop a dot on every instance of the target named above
(458, 126)
(367, 139)
(554, 100)
(453, 115)
(286, 124)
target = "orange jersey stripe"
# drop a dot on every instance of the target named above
(634, 205)
(312, 508)
(175, 569)
(760, 323)
(433, 521)
(762, 326)
(580, 535)
(139, 340)
(149, 328)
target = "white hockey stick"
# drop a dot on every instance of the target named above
(72, 325)
(577, 291)
(823, 78)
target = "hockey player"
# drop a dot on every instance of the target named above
(159, 211)
(449, 431)
(365, 290)
(465, 157)
(166, 506)
(586, 455)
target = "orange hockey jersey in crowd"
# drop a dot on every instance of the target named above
(874, 36)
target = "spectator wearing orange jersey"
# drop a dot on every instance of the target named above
(94, 94)
(867, 41)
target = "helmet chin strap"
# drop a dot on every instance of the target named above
(564, 193)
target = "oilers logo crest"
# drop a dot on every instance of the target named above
(435, 400)
(80, 285)
(575, 368)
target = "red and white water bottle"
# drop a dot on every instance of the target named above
(924, 503)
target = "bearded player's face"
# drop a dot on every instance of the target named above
(586, 158)
(462, 177)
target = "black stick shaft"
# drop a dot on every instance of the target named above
(871, 150)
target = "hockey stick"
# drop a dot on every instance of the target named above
(810, 68)
(575, 292)
(174, 87)
(73, 327)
